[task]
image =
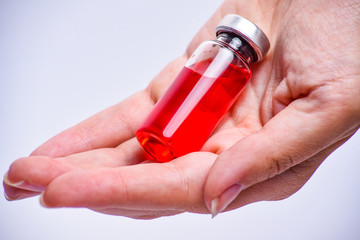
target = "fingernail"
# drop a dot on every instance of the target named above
(41, 199)
(42, 202)
(220, 203)
(23, 185)
(7, 197)
(20, 196)
(214, 204)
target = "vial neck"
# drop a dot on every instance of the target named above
(239, 45)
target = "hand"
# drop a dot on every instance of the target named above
(298, 88)
(309, 104)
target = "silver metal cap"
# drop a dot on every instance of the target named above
(248, 31)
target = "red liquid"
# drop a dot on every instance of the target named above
(185, 116)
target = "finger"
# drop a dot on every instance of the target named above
(108, 128)
(36, 172)
(177, 186)
(127, 153)
(295, 134)
(12, 193)
(114, 125)
(284, 185)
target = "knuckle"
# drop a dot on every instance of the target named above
(188, 196)
(118, 181)
(278, 165)
(184, 186)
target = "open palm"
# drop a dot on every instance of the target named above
(265, 142)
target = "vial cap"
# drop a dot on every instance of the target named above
(248, 31)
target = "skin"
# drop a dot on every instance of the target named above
(302, 103)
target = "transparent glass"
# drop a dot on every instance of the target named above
(204, 90)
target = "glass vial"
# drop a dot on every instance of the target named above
(205, 89)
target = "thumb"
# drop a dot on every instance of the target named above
(295, 134)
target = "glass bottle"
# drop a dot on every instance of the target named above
(205, 89)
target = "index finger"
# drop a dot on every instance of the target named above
(108, 128)
(114, 125)
(152, 186)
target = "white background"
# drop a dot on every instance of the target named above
(63, 61)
